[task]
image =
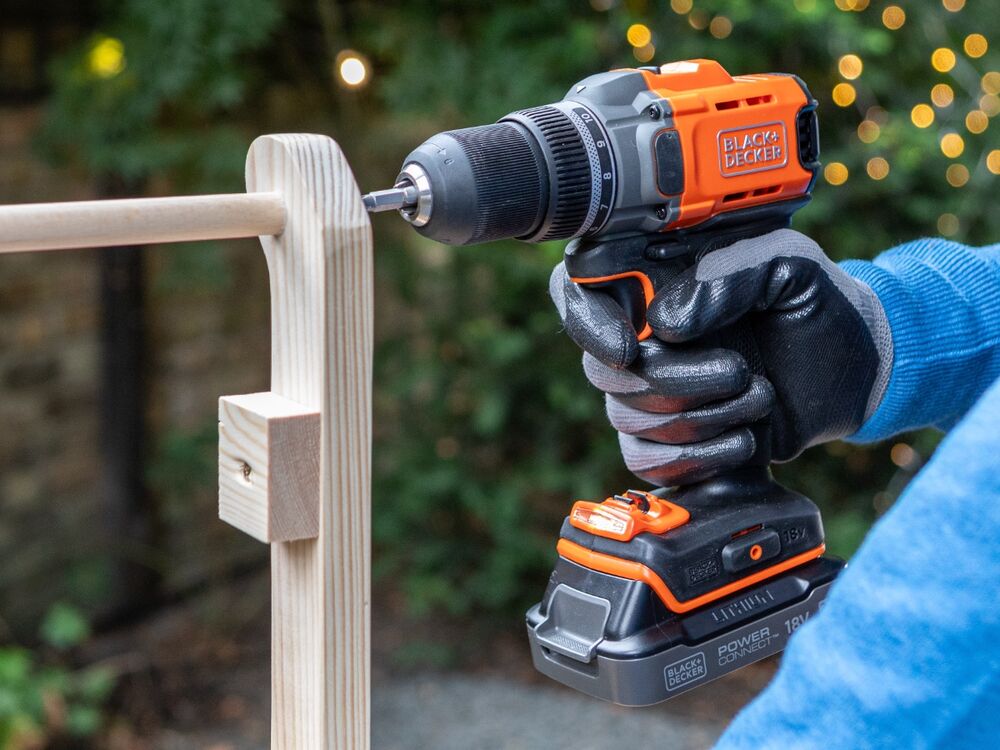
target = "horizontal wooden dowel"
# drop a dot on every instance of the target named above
(139, 221)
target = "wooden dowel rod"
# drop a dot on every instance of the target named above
(139, 221)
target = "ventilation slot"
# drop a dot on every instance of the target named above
(751, 101)
(728, 105)
(766, 190)
(754, 100)
(735, 197)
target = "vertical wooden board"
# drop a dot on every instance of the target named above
(321, 272)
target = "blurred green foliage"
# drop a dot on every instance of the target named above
(485, 426)
(44, 700)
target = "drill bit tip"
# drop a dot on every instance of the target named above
(397, 198)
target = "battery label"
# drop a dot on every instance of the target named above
(685, 671)
(754, 148)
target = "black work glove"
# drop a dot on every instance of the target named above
(817, 341)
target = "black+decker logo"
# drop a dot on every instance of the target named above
(753, 148)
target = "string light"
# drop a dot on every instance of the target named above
(721, 27)
(893, 17)
(352, 69)
(943, 59)
(922, 115)
(953, 5)
(869, 131)
(850, 66)
(993, 161)
(835, 173)
(952, 145)
(947, 224)
(844, 95)
(975, 45)
(976, 121)
(877, 168)
(942, 95)
(639, 35)
(106, 58)
(957, 175)
(644, 53)
(681, 6)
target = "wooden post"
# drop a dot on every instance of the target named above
(295, 463)
(321, 352)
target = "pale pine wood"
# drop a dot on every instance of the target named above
(321, 331)
(269, 467)
(138, 221)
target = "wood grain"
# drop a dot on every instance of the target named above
(269, 467)
(138, 221)
(321, 322)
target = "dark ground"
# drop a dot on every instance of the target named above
(196, 675)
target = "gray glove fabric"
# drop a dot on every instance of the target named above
(818, 340)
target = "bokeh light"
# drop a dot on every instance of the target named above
(990, 82)
(990, 104)
(681, 6)
(893, 17)
(602, 4)
(952, 145)
(850, 66)
(644, 53)
(977, 121)
(993, 161)
(844, 95)
(943, 59)
(942, 95)
(698, 19)
(877, 168)
(836, 173)
(957, 175)
(975, 45)
(869, 131)
(953, 5)
(352, 69)
(720, 27)
(106, 58)
(639, 35)
(922, 115)
(947, 224)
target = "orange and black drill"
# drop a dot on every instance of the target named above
(646, 170)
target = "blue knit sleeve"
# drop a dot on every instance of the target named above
(942, 300)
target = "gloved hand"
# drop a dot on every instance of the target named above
(817, 340)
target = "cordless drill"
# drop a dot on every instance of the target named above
(646, 170)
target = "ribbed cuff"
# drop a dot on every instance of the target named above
(942, 300)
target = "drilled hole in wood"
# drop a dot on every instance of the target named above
(245, 471)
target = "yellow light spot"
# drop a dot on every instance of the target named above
(922, 115)
(844, 95)
(850, 66)
(957, 175)
(869, 131)
(947, 224)
(106, 58)
(855, 5)
(953, 5)
(991, 82)
(681, 6)
(975, 45)
(860, 5)
(952, 145)
(843, 4)
(352, 69)
(877, 168)
(698, 19)
(902, 455)
(976, 121)
(835, 173)
(721, 27)
(942, 95)
(639, 35)
(943, 59)
(805, 6)
(645, 53)
(893, 17)
(993, 161)
(990, 104)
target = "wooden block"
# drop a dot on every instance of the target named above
(269, 449)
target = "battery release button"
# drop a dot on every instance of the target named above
(750, 549)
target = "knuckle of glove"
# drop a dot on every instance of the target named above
(682, 464)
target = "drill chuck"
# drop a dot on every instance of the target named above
(535, 175)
